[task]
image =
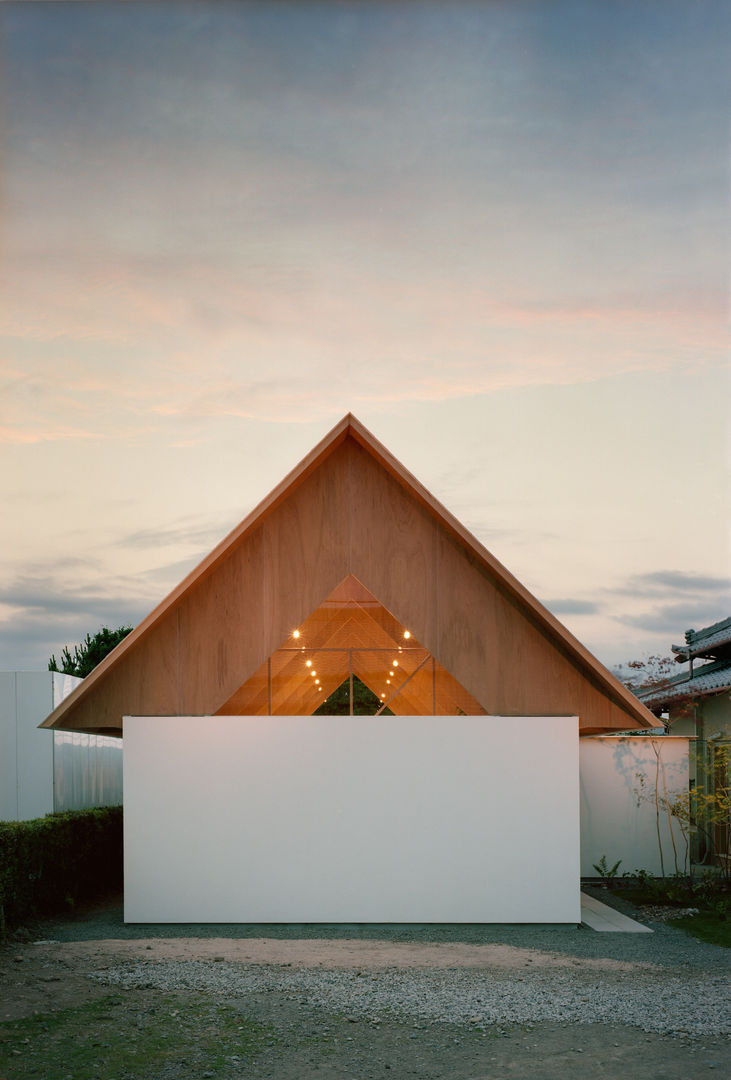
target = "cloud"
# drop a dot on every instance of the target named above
(197, 339)
(570, 606)
(48, 605)
(675, 618)
(668, 602)
(185, 531)
(40, 598)
(675, 583)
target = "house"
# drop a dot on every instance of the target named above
(456, 801)
(45, 772)
(697, 703)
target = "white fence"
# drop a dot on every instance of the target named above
(43, 771)
(628, 786)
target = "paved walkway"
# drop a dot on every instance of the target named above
(599, 916)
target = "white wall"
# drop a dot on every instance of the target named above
(619, 818)
(43, 771)
(351, 819)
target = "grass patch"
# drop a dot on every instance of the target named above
(707, 926)
(131, 1037)
(709, 895)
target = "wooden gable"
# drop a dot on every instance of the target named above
(349, 511)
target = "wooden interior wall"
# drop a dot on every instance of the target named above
(347, 516)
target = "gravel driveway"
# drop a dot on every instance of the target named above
(457, 1001)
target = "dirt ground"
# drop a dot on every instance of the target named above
(305, 1042)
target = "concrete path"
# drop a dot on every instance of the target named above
(599, 916)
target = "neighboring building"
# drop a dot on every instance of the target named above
(43, 772)
(697, 702)
(242, 804)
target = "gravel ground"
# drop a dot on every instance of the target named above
(363, 1002)
(666, 947)
(669, 983)
(650, 1000)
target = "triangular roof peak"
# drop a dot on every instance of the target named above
(359, 511)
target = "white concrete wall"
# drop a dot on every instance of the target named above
(351, 819)
(619, 817)
(43, 771)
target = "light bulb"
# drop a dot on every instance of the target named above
(407, 634)
(296, 634)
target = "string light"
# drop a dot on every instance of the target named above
(295, 634)
(394, 663)
(308, 663)
(407, 634)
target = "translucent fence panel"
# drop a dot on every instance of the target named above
(87, 770)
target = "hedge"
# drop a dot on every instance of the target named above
(51, 864)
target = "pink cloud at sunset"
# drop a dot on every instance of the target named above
(498, 233)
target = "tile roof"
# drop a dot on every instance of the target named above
(707, 679)
(699, 642)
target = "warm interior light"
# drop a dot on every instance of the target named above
(295, 634)
(407, 634)
(390, 673)
(318, 681)
(313, 672)
(394, 663)
(388, 682)
(308, 663)
(383, 695)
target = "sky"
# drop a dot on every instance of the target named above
(498, 233)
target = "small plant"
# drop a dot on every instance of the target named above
(606, 872)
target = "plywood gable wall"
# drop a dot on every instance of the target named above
(346, 514)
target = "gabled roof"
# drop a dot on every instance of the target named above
(350, 508)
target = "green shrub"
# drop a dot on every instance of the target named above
(53, 863)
